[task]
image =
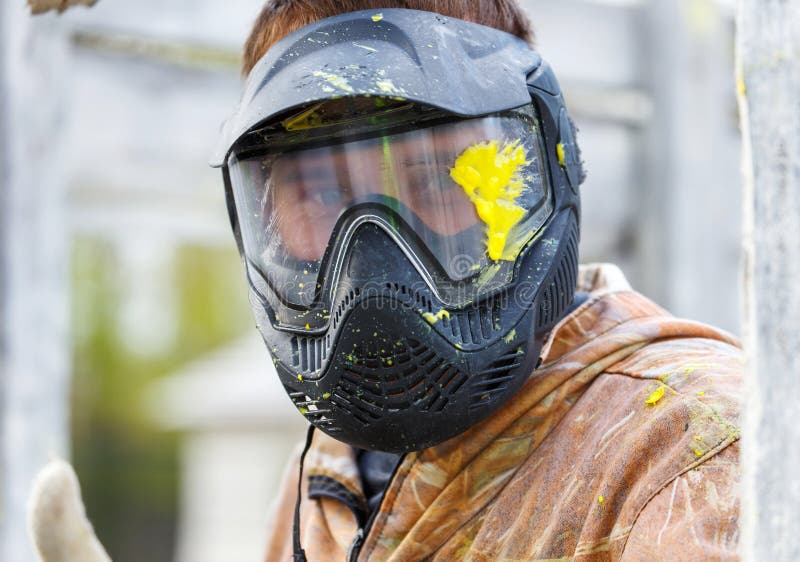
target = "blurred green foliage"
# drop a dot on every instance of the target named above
(129, 469)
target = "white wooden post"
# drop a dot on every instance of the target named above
(34, 344)
(769, 95)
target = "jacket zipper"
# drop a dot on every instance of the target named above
(363, 532)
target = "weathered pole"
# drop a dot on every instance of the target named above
(41, 6)
(769, 95)
(34, 338)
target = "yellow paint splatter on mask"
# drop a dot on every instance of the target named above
(562, 154)
(510, 337)
(365, 47)
(490, 175)
(434, 318)
(335, 80)
(387, 86)
(377, 17)
(657, 395)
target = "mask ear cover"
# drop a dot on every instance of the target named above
(394, 371)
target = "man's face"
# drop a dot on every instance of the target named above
(309, 190)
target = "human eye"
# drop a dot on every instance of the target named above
(327, 196)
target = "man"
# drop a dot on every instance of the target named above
(403, 185)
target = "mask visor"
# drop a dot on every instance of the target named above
(464, 197)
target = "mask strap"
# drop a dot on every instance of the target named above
(299, 553)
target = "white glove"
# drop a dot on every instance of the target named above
(57, 518)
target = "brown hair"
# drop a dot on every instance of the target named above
(279, 18)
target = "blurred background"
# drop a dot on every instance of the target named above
(127, 342)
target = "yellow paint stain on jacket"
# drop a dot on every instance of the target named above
(490, 175)
(657, 395)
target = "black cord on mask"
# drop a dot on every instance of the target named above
(299, 553)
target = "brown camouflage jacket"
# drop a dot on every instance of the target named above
(623, 445)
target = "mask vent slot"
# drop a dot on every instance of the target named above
(478, 324)
(407, 376)
(489, 384)
(308, 354)
(313, 412)
(558, 295)
(408, 296)
(345, 305)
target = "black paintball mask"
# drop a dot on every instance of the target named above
(403, 188)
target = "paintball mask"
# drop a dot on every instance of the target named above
(403, 188)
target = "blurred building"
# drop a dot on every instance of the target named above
(143, 87)
(239, 430)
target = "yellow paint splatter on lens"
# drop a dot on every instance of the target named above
(308, 119)
(335, 80)
(434, 318)
(657, 395)
(377, 17)
(490, 175)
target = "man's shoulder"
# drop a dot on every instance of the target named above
(662, 412)
(693, 366)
